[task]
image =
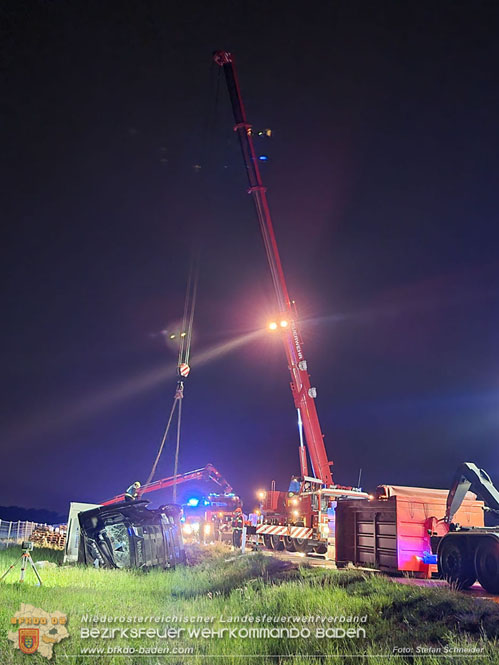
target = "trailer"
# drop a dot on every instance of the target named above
(393, 531)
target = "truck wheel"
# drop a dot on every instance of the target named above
(277, 543)
(302, 545)
(487, 565)
(321, 548)
(267, 541)
(289, 544)
(454, 565)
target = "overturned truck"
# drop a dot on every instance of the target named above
(129, 535)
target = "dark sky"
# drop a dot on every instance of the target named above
(383, 182)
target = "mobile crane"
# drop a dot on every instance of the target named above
(299, 518)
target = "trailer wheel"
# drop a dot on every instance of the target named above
(487, 565)
(454, 565)
(267, 541)
(289, 544)
(321, 548)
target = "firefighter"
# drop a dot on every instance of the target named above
(237, 527)
(132, 493)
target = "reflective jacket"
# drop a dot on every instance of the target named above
(132, 492)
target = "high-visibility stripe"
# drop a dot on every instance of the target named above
(280, 530)
(300, 532)
(272, 529)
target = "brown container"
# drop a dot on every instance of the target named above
(391, 532)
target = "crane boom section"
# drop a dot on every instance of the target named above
(303, 394)
(208, 472)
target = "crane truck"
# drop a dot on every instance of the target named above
(301, 518)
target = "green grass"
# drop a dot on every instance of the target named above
(225, 584)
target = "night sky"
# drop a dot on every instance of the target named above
(383, 181)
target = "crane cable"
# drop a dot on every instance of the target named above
(190, 297)
(183, 358)
(165, 434)
(175, 466)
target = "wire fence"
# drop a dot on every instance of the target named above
(13, 533)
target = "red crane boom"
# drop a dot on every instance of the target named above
(303, 393)
(208, 472)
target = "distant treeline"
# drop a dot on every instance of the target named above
(15, 513)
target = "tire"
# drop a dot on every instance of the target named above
(321, 548)
(289, 544)
(454, 564)
(487, 564)
(267, 541)
(303, 545)
(277, 543)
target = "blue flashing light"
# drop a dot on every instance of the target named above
(263, 158)
(193, 501)
(430, 558)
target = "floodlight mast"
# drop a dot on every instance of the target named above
(303, 393)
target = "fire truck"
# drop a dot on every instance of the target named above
(208, 518)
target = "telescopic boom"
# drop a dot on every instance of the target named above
(303, 393)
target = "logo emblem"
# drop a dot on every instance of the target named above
(29, 639)
(39, 631)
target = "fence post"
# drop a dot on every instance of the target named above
(18, 526)
(243, 539)
(8, 535)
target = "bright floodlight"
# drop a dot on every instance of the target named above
(183, 334)
(284, 323)
(172, 336)
(273, 325)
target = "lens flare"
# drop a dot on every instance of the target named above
(99, 401)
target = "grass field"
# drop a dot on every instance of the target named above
(225, 585)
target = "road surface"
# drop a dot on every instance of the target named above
(321, 562)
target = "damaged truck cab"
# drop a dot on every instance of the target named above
(128, 535)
